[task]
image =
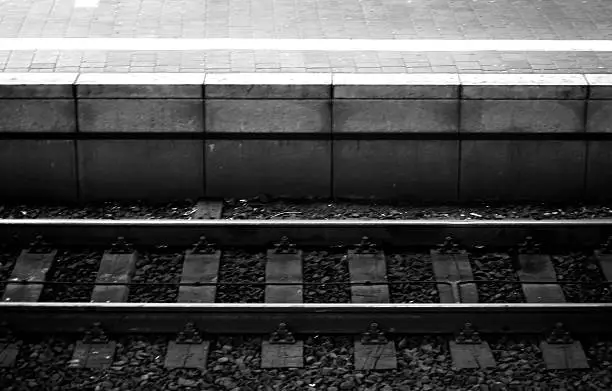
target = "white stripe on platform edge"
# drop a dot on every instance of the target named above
(332, 45)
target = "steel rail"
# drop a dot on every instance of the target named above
(304, 318)
(403, 233)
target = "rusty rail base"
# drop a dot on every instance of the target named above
(404, 233)
(305, 318)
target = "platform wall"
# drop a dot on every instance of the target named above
(407, 137)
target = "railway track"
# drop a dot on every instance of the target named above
(287, 321)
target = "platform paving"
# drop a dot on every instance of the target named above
(308, 19)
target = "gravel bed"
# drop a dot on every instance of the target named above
(241, 267)
(266, 208)
(416, 267)
(158, 267)
(256, 209)
(107, 210)
(72, 266)
(585, 270)
(424, 363)
(492, 267)
(8, 257)
(326, 267)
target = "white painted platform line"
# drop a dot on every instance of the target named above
(86, 3)
(331, 45)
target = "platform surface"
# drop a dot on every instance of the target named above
(390, 36)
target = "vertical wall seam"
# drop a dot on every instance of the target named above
(75, 146)
(586, 142)
(205, 191)
(332, 141)
(459, 140)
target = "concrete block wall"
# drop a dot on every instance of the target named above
(408, 137)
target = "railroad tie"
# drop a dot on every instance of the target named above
(604, 258)
(284, 265)
(560, 351)
(117, 266)
(94, 351)
(451, 266)
(535, 266)
(367, 265)
(33, 264)
(9, 346)
(201, 265)
(208, 210)
(469, 351)
(188, 350)
(373, 351)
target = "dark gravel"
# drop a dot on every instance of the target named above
(256, 209)
(73, 267)
(424, 363)
(324, 267)
(8, 257)
(107, 210)
(415, 267)
(159, 267)
(493, 267)
(586, 272)
(266, 208)
(242, 267)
